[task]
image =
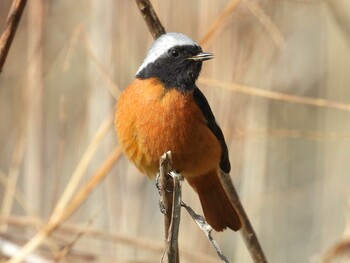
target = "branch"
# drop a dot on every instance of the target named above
(10, 29)
(206, 228)
(248, 233)
(274, 95)
(173, 233)
(170, 191)
(154, 25)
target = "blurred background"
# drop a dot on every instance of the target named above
(279, 87)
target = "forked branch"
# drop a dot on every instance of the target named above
(169, 185)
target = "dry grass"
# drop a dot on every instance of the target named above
(63, 213)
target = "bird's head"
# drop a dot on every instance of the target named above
(176, 60)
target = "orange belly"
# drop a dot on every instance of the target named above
(151, 120)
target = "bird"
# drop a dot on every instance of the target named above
(163, 110)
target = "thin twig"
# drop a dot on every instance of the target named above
(167, 190)
(68, 247)
(154, 25)
(274, 95)
(10, 29)
(206, 228)
(292, 133)
(248, 233)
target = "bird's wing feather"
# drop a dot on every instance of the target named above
(214, 127)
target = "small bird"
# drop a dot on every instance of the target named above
(163, 110)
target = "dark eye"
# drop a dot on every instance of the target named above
(174, 53)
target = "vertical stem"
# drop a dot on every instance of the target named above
(173, 232)
(167, 191)
(35, 85)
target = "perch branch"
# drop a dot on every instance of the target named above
(170, 191)
(154, 25)
(248, 233)
(173, 233)
(10, 29)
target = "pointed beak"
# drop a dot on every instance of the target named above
(202, 56)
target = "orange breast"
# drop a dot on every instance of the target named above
(151, 120)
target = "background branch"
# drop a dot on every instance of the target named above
(154, 25)
(12, 22)
(248, 233)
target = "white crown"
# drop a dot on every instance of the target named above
(162, 44)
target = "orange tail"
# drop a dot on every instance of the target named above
(217, 208)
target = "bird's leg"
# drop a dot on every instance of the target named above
(160, 188)
(159, 185)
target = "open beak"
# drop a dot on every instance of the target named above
(202, 56)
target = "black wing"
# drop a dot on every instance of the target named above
(214, 127)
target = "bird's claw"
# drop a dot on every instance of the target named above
(161, 207)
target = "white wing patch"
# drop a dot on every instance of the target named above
(163, 44)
